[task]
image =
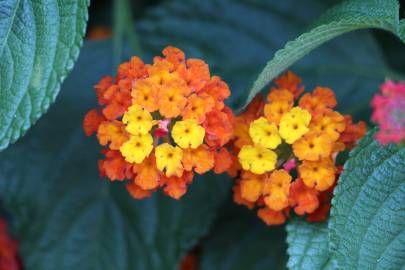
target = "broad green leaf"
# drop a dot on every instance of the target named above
(237, 37)
(308, 246)
(65, 217)
(367, 224)
(241, 241)
(347, 16)
(39, 43)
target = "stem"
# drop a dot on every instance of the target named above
(131, 31)
(118, 32)
(123, 27)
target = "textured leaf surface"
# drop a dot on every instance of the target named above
(348, 16)
(308, 246)
(39, 42)
(241, 241)
(66, 217)
(367, 225)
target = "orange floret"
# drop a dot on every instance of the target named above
(112, 133)
(101, 87)
(322, 212)
(276, 190)
(118, 98)
(176, 187)
(321, 98)
(174, 55)
(147, 175)
(92, 121)
(219, 127)
(330, 122)
(238, 199)
(271, 217)
(235, 167)
(113, 111)
(251, 186)
(114, 166)
(353, 132)
(172, 98)
(200, 159)
(313, 146)
(137, 192)
(145, 94)
(280, 102)
(275, 111)
(198, 74)
(197, 107)
(162, 71)
(241, 134)
(223, 161)
(134, 69)
(318, 174)
(291, 82)
(277, 95)
(302, 198)
(217, 89)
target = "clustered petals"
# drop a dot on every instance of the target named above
(287, 148)
(161, 122)
(389, 112)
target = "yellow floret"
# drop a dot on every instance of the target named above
(168, 159)
(137, 148)
(257, 159)
(264, 133)
(188, 134)
(294, 124)
(138, 120)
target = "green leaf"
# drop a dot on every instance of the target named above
(66, 217)
(241, 241)
(348, 16)
(39, 43)
(308, 246)
(367, 224)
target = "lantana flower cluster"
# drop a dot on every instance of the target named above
(286, 151)
(389, 112)
(160, 123)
